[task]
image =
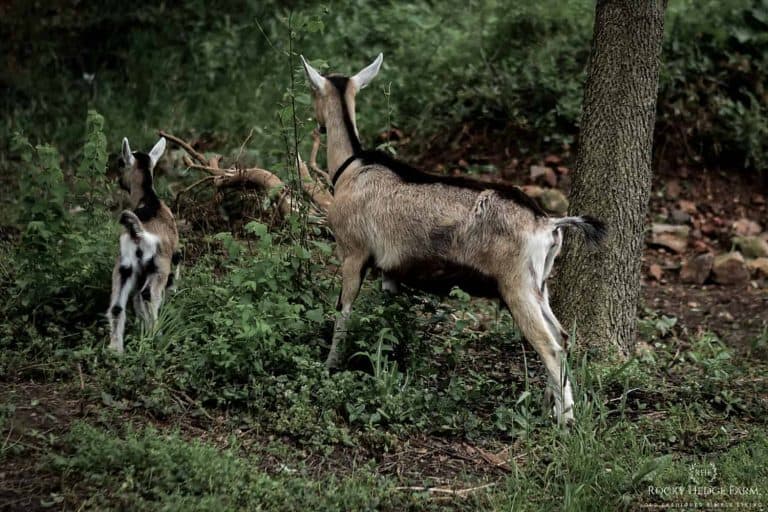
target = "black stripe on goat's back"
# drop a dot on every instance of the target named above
(410, 174)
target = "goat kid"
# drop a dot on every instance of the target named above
(148, 247)
(435, 232)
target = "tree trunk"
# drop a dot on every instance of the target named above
(596, 292)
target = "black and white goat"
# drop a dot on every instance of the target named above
(434, 232)
(148, 247)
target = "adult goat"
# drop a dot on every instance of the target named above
(435, 232)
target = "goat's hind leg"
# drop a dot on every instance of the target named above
(353, 270)
(525, 304)
(123, 281)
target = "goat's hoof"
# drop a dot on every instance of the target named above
(566, 419)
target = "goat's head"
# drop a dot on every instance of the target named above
(136, 173)
(328, 91)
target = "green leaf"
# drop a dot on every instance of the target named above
(315, 315)
(256, 228)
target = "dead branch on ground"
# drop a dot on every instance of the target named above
(287, 201)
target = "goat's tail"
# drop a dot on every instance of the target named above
(594, 229)
(132, 223)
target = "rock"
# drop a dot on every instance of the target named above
(655, 271)
(679, 217)
(554, 201)
(751, 246)
(758, 199)
(673, 189)
(696, 270)
(539, 171)
(550, 177)
(674, 238)
(700, 246)
(758, 267)
(552, 160)
(730, 268)
(746, 227)
(725, 315)
(533, 191)
(688, 207)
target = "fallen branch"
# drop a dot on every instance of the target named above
(313, 157)
(440, 490)
(319, 194)
(262, 178)
(185, 146)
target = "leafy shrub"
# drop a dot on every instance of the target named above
(63, 258)
(519, 68)
(713, 80)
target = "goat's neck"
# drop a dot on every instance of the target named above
(342, 134)
(136, 196)
(140, 195)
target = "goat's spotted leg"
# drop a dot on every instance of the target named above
(123, 281)
(526, 308)
(352, 273)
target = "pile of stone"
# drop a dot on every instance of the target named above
(747, 258)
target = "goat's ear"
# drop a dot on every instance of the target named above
(127, 154)
(365, 76)
(157, 151)
(316, 80)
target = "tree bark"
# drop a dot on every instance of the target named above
(596, 292)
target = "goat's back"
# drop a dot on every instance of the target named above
(408, 226)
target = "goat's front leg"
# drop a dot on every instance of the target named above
(123, 280)
(353, 270)
(525, 304)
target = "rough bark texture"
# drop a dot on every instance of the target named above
(596, 292)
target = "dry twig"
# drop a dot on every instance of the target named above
(440, 490)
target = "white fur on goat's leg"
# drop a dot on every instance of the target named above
(555, 327)
(523, 303)
(352, 273)
(123, 281)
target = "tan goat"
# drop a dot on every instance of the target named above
(434, 232)
(148, 247)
